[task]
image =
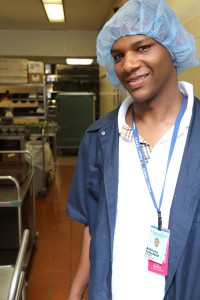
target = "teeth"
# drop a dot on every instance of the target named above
(139, 78)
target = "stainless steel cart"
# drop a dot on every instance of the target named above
(12, 277)
(14, 195)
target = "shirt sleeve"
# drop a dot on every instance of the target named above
(83, 200)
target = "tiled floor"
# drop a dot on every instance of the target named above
(56, 254)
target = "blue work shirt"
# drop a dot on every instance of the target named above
(93, 201)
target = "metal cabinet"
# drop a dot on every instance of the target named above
(75, 112)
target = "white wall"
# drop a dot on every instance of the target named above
(47, 43)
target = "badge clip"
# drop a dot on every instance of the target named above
(159, 220)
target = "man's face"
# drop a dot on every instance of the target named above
(156, 242)
(143, 66)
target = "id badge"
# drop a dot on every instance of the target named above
(156, 249)
(159, 268)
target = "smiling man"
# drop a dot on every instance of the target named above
(138, 174)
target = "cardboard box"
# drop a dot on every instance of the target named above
(13, 63)
(13, 70)
(35, 67)
(35, 78)
(13, 79)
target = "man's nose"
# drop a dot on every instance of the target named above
(130, 62)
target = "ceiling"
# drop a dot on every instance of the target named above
(30, 15)
(80, 14)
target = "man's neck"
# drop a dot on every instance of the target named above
(153, 120)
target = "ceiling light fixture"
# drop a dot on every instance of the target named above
(79, 61)
(54, 10)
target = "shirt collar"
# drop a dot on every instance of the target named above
(185, 87)
(122, 112)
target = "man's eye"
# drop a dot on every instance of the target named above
(143, 48)
(117, 57)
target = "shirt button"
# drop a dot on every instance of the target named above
(103, 133)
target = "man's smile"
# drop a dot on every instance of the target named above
(135, 82)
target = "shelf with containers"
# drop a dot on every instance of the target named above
(24, 110)
(23, 102)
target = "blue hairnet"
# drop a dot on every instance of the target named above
(155, 19)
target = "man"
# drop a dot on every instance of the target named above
(137, 174)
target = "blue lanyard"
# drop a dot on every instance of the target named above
(143, 163)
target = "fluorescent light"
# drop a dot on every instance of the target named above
(79, 61)
(54, 10)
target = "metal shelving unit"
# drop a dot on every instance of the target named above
(23, 96)
(14, 195)
(19, 114)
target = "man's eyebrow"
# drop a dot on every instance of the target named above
(134, 44)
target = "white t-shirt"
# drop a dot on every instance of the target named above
(135, 210)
